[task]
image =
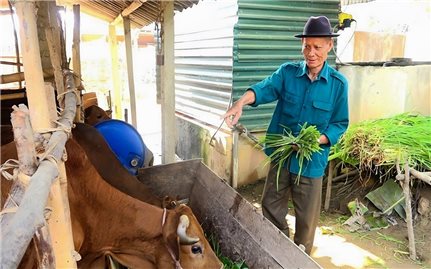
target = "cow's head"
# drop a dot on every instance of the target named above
(185, 238)
(94, 114)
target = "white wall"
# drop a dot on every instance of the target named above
(379, 92)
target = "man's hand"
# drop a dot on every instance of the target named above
(233, 114)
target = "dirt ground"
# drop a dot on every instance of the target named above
(336, 247)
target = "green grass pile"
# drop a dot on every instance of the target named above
(374, 143)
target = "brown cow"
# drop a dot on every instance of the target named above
(94, 114)
(106, 221)
(111, 170)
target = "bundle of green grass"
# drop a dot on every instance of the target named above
(304, 145)
(384, 142)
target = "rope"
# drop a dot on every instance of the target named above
(10, 164)
(60, 95)
(11, 209)
(177, 262)
(62, 127)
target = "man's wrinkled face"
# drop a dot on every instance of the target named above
(315, 50)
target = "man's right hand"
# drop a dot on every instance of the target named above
(233, 114)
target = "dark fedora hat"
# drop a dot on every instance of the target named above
(317, 27)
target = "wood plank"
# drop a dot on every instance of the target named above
(255, 232)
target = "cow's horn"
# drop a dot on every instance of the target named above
(181, 231)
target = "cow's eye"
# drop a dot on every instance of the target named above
(196, 249)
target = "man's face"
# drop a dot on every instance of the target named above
(315, 50)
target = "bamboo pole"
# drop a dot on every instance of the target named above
(17, 234)
(23, 136)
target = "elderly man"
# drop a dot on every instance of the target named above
(310, 92)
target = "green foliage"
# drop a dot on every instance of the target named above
(306, 142)
(227, 262)
(383, 142)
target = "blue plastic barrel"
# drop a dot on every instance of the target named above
(125, 141)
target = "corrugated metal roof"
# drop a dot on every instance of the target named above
(264, 39)
(351, 2)
(147, 13)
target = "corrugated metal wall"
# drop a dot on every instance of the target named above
(264, 39)
(203, 59)
(222, 47)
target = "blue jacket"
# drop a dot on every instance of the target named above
(323, 103)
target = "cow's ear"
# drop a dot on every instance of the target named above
(170, 234)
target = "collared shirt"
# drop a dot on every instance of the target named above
(322, 102)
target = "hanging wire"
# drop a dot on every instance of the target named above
(345, 46)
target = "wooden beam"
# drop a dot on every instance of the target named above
(130, 74)
(113, 45)
(15, 77)
(168, 85)
(128, 10)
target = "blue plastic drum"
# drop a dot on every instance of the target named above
(125, 142)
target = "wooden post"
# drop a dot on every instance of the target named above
(235, 158)
(76, 53)
(168, 84)
(409, 218)
(130, 74)
(329, 184)
(37, 97)
(117, 111)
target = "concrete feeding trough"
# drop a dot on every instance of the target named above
(242, 232)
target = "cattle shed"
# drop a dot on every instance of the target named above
(42, 64)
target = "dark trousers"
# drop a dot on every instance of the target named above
(306, 197)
